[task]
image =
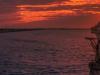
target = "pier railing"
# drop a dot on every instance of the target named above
(92, 42)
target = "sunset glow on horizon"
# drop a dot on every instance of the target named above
(29, 16)
(75, 13)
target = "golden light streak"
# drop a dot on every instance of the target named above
(64, 3)
(37, 6)
(80, 2)
(29, 16)
(92, 12)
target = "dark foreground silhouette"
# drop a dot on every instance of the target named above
(15, 30)
(20, 30)
(95, 65)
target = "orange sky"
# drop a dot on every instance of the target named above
(55, 14)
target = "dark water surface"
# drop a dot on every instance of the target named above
(45, 52)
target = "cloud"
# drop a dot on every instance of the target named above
(49, 13)
(30, 1)
(47, 5)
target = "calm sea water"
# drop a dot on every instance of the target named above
(45, 52)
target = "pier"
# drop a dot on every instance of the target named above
(94, 66)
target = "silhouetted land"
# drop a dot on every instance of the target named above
(13, 30)
(19, 30)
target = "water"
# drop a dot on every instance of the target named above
(45, 52)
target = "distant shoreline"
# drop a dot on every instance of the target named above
(44, 29)
(19, 30)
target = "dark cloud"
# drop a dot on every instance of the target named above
(8, 9)
(7, 6)
(30, 1)
(10, 5)
(86, 7)
(91, 7)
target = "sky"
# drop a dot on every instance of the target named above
(49, 13)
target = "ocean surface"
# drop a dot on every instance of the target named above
(45, 52)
